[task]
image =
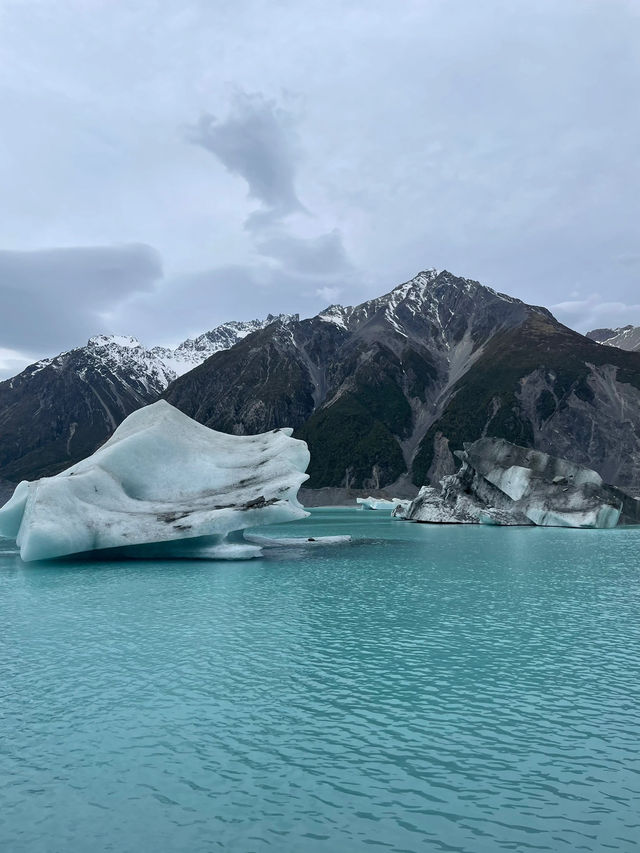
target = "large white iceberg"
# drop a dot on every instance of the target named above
(163, 484)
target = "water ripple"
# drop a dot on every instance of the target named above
(429, 689)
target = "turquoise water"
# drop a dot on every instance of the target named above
(423, 689)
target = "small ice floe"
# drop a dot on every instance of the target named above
(298, 541)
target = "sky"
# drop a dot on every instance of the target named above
(167, 165)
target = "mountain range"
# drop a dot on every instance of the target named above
(58, 410)
(383, 392)
(624, 337)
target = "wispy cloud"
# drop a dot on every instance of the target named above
(12, 362)
(593, 312)
(330, 294)
(322, 255)
(256, 142)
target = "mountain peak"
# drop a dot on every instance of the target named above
(336, 314)
(419, 282)
(278, 318)
(126, 341)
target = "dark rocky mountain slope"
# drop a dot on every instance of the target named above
(392, 387)
(59, 410)
(544, 386)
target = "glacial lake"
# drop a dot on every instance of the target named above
(423, 689)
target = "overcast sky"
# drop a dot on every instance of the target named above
(167, 165)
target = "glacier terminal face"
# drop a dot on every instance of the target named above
(162, 485)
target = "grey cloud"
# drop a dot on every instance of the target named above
(255, 142)
(12, 362)
(318, 256)
(494, 139)
(187, 305)
(594, 312)
(54, 299)
(329, 294)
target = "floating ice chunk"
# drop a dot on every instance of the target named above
(454, 503)
(381, 503)
(603, 516)
(502, 483)
(162, 485)
(310, 541)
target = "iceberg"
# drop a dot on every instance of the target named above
(162, 485)
(381, 503)
(451, 504)
(502, 483)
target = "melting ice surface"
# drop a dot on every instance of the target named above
(162, 485)
(422, 689)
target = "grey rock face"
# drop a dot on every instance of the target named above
(597, 424)
(6, 490)
(362, 385)
(502, 483)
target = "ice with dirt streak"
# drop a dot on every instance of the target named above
(162, 485)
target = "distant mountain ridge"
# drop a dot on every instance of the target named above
(384, 392)
(624, 337)
(194, 351)
(60, 409)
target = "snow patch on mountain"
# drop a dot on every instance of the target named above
(336, 314)
(157, 367)
(194, 351)
(125, 341)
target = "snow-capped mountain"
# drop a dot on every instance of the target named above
(194, 351)
(384, 392)
(159, 366)
(389, 389)
(624, 337)
(432, 297)
(60, 409)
